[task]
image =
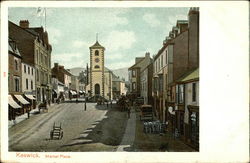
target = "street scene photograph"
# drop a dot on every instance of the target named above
(103, 79)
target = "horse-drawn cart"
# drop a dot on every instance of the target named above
(56, 132)
(146, 112)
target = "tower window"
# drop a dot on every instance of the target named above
(96, 53)
(97, 66)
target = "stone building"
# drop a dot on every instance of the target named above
(134, 73)
(14, 78)
(118, 87)
(100, 77)
(188, 97)
(28, 79)
(15, 68)
(34, 46)
(63, 76)
(146, 84)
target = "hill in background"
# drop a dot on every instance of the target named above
(122, 72)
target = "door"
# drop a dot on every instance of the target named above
(97, 89)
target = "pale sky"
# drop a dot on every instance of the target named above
(125, 33)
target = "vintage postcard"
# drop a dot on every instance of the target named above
(110, 82)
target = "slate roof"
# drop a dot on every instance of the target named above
(97, 45)
(13, 48)
(189, 76)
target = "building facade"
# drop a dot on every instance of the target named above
(134, 74)
(28, 79)
(63, 76)
(97, 78)
(146, 84)
(36, 51)
(15, 69)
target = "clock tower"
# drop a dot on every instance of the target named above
(97, 69)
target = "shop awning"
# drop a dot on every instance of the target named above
(13, 103)
(21, 99)
(30, 97)
(73, 92)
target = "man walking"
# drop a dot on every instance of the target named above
(128, 111)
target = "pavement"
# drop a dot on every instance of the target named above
(25, 116)
(129, 135)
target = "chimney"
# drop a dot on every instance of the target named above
(55, 64)
(193, 30)
(147, 55)
(24, 23)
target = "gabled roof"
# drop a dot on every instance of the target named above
(189, 76)
(136, 64)
(13, 48)
(96, 45)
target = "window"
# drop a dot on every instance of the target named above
(37, 56)
(180, 93)
(133, 85)
(27, 84)
(31, 85)
(166, 57)
(32, 71)
(133, 73)
(97, 66)
(16, 64)
(96, 53)
(24, 67)
(37, 75)
(194, 92)
(28, 70)
(17, 84)
(161, 60)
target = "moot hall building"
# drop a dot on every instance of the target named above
(100, 77)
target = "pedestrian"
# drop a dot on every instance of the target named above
(111, 103)
(107, 104)
(128, 112)
(85, 104)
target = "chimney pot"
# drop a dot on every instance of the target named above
(24, 23)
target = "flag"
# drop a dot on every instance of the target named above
(40, 12)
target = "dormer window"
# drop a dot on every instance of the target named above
(96, 53)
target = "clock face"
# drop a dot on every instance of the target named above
(97, 60)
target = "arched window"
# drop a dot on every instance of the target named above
(96, 53)
(97, 66)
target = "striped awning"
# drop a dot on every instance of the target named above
(30, 97)
(21, 99)
(13, 103)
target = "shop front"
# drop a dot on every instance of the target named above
(193, 126)
(13, 108)
(25, 105)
